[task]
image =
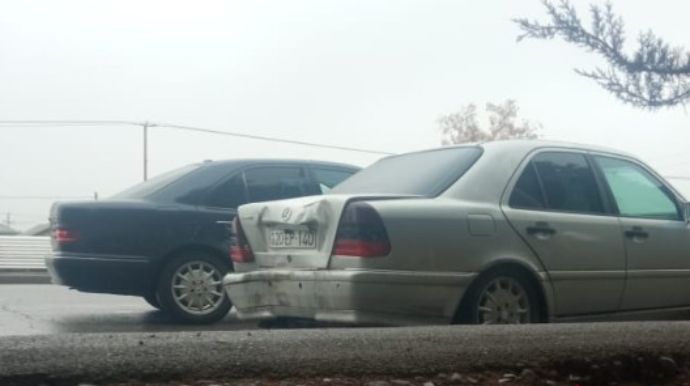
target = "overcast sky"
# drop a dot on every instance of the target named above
(372, 74)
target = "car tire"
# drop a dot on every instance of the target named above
(500, 296)
(190, 288)
(152, 300)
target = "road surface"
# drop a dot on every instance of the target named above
(645, 353)
(45, 309)
(51, 335)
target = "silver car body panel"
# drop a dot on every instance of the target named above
(441, 244)
(349, 296)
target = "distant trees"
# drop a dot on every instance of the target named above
(463, 126)
(654, 75)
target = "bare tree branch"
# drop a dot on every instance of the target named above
(655, 75)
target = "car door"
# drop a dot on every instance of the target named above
(557, 206)
(657, 238)
(251, 184)
(217, 209)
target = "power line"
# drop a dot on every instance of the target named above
(146, 124)
(670, 157)
(265, 138)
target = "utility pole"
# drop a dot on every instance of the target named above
(146, 149)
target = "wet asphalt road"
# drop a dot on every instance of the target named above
(49, 334)
(45, 309)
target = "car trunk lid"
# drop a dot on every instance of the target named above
(92, 226)
(298, 233)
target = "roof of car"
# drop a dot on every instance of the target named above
(540, 143)
(527, 145)
(277, 161)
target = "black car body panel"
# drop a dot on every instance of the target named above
(119, 245)
(125, 275)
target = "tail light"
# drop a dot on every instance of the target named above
(240, 251)
(361, 233)
(62, 235)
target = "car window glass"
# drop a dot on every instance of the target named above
(275, 183)
(527, 193)
(637, 193)
(156, 183)
(425, 173)
(328, 178)
(229, 194)
(568, 182)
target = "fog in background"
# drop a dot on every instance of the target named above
(354, 73)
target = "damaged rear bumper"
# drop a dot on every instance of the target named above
(348, 296)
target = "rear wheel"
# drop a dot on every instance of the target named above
(190, 289)
(502, 296)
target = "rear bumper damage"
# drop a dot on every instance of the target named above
(348, 296)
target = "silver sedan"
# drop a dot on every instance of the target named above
(500, 232)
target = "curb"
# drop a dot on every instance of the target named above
(24, 277)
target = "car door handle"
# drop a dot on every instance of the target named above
(637, 234)
(541, 231)
(227, 224)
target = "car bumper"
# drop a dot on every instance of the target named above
(123, 275)
(348, 296)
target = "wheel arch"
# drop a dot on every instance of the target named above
(544, 296)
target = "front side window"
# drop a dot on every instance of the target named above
(558, 181)
(328, 178)
(636, 191)
(277, 183)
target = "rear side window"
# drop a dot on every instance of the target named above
(156, 183)
(426, 173)
(328, 178)
(229, 194)
(558, 181)
(276, 183)
(528, 193)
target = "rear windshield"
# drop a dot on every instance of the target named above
(146, 188)
(426, 173)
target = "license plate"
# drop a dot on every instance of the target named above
(288, 238)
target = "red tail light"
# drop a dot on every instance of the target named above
(361, 233)
(240, 251)
(62, 235)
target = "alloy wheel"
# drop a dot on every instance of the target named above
(197, 287)
(504, 301)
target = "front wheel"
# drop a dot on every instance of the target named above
(500, 297)
(190, 289)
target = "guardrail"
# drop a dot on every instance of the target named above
(23, 253)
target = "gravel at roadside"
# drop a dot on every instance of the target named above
(640, 353)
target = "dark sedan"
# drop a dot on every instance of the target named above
(167, 239)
